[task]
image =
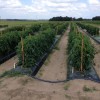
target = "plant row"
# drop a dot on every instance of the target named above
(2, 26)
(10, 39)
(92, 22)
(94, 31)
(34, 47)
(80, 50)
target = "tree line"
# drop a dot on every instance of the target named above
(60, 18)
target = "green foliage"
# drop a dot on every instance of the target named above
(12, 37)
(34, 28)
(66, 87)
(74, 50)
(45, 26)
(2, 26)
(58, 26)
(88, 89)
(90, 29)
(61, 28)
(13, 29)
(8, 42)
(35, 47)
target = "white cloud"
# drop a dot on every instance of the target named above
(50, 8)
(16, 5)
(94, 2)
(10, 3)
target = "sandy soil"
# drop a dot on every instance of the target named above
(97, 55)
(1, 29)
(55, 67)
(8, 64)
(26, 88)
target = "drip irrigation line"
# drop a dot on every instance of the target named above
(62, 81)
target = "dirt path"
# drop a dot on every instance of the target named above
(97, 55)
(8, 64)
(55, 67)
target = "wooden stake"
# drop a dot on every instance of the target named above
(14, 65)
(22, 51)
(57, 30)
(82, 53)
(72, 70)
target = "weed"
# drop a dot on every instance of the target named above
(94, 89)
(57, 48)
(87, 89)
(66, 86)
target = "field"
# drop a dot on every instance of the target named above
(17, 23)
(61, 75)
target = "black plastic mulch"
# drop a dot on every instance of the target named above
(87, 75)
(3, 59)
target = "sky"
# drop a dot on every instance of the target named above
(45, 9)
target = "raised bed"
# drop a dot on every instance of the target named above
(80, 61)
(34, 70)
(87, 75)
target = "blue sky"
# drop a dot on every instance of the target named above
(45, 9)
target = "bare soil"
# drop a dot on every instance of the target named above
(26, 88)
(9, 64)
(55, 67)
(97, 56)
(1, 29)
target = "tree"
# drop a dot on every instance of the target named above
(96, 18)
(60, 18)
(79, 19)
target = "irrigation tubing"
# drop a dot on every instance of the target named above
(62, 81)
(49, 81)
